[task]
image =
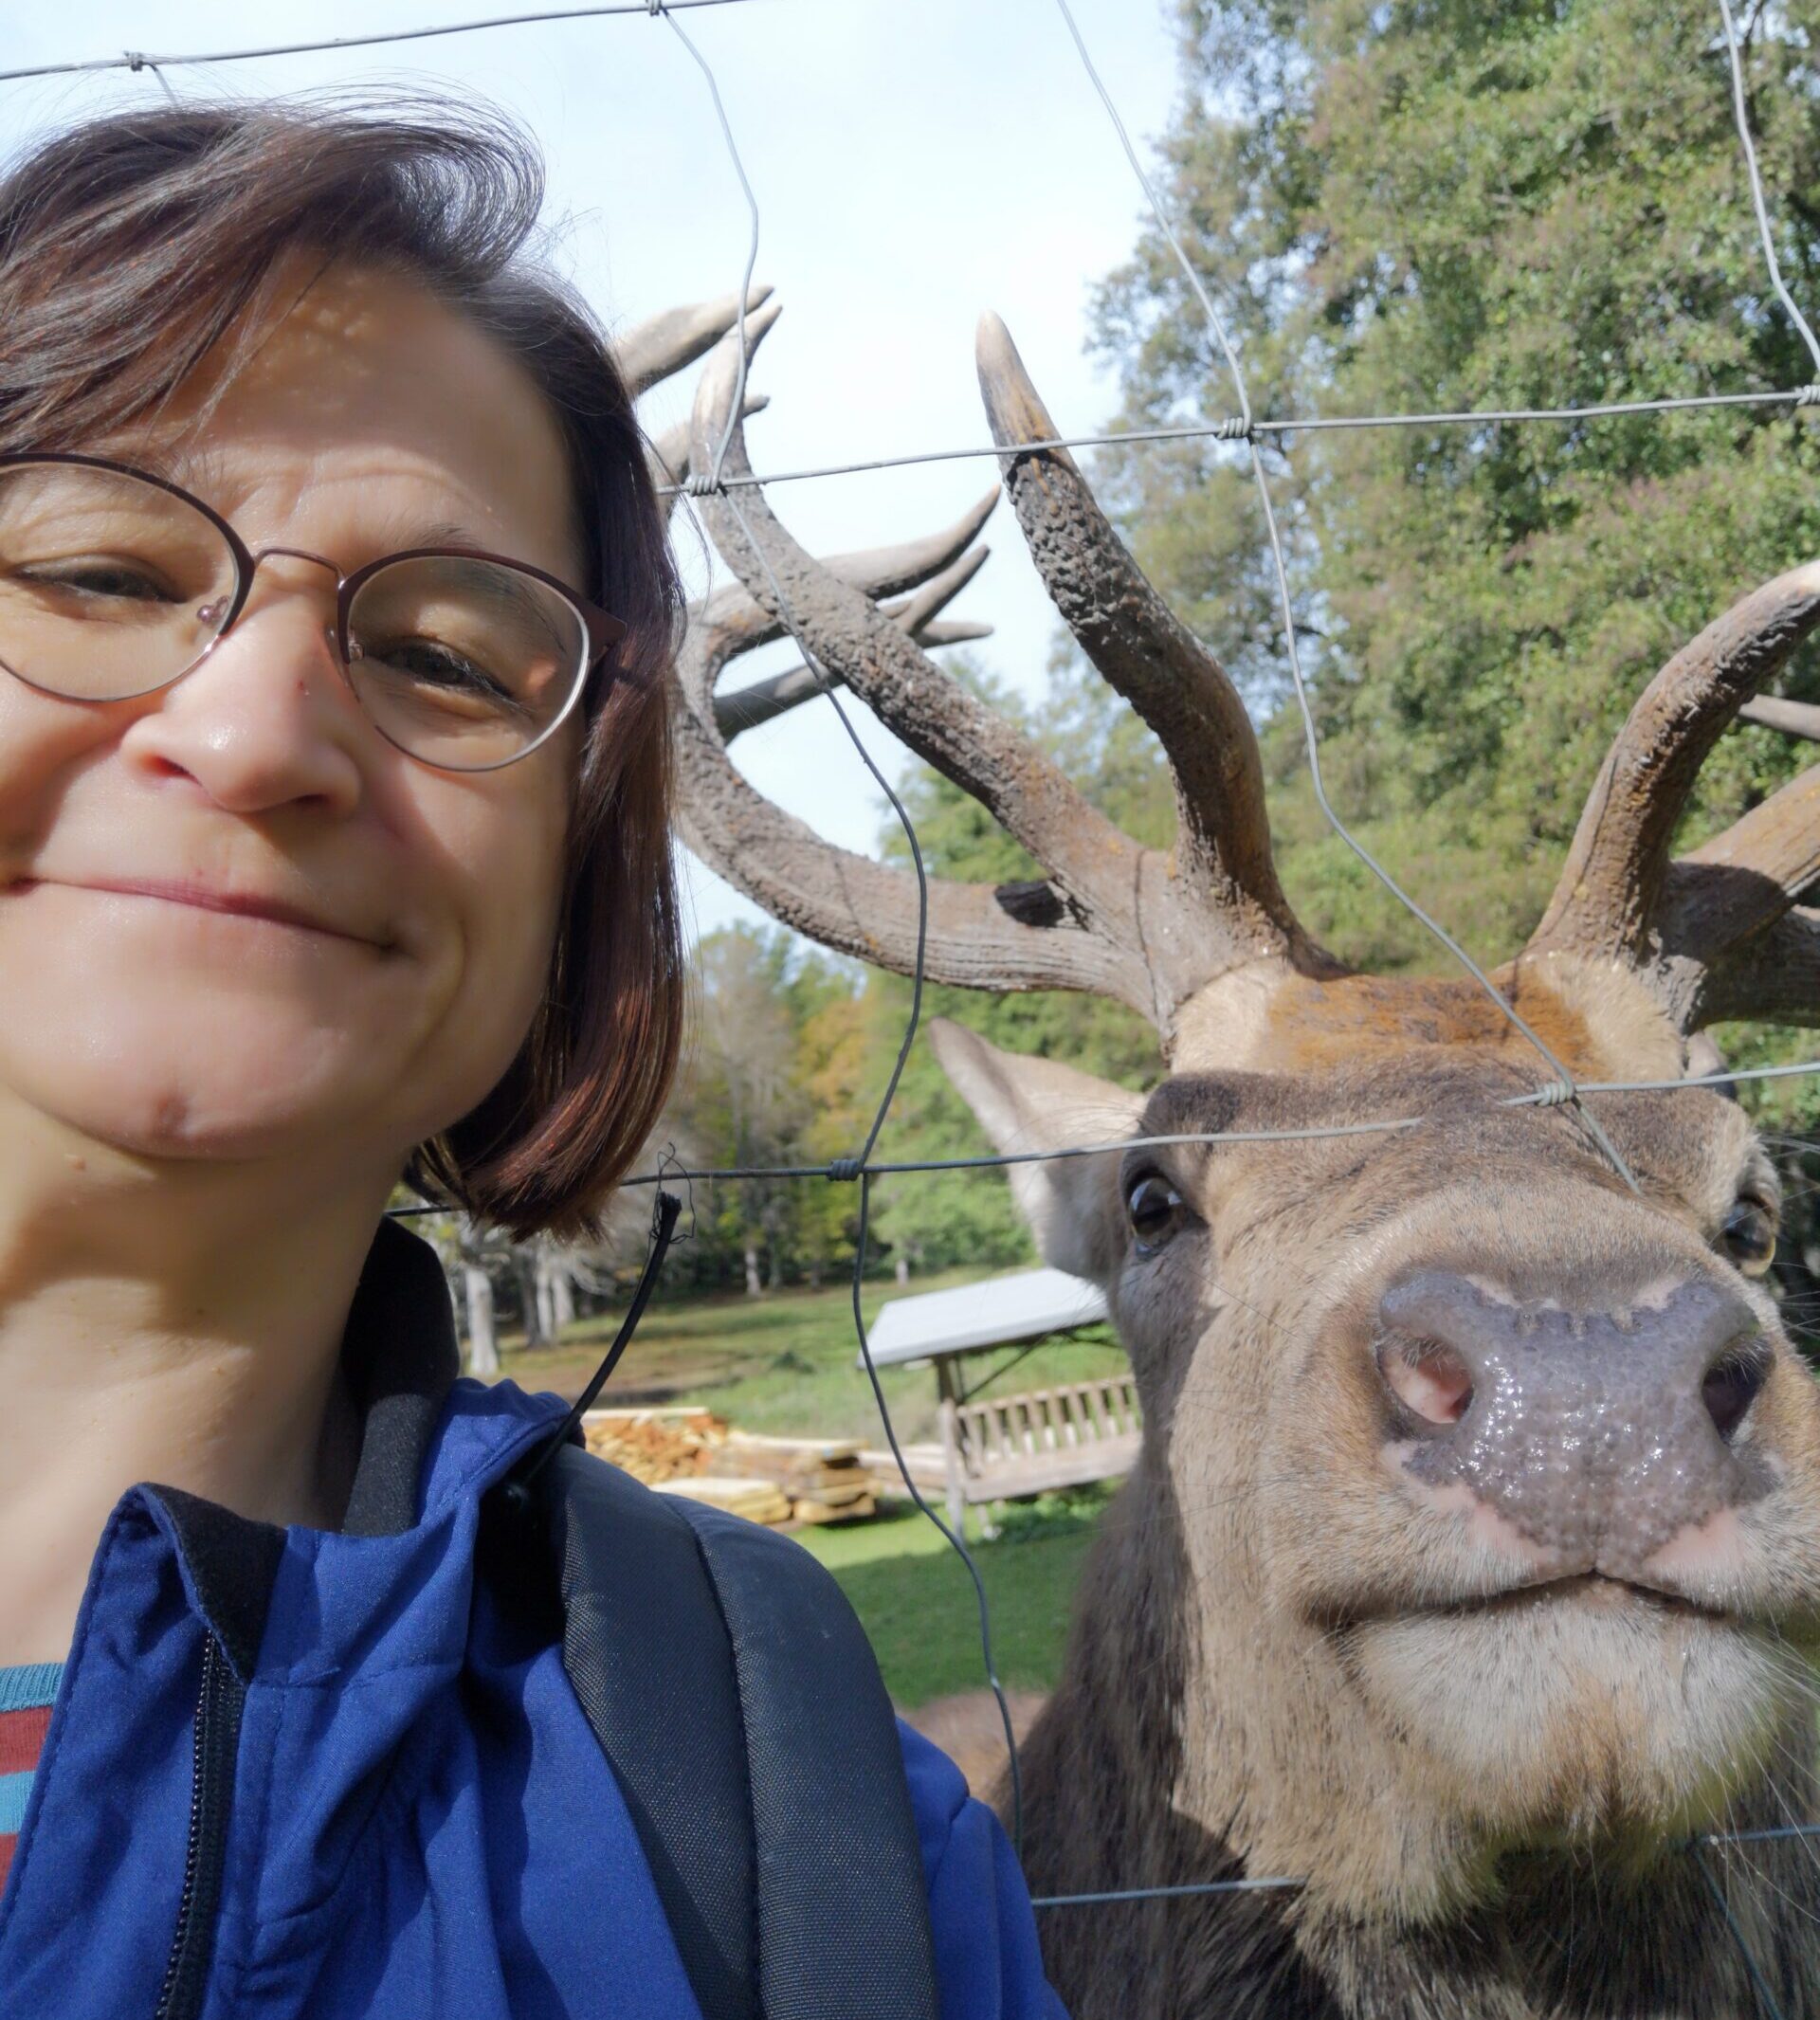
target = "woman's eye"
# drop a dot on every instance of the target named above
(429, 664)
(1155, 1209)
(1749, 1236)
(117, 581)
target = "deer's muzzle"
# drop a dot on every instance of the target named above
(1600, 1436)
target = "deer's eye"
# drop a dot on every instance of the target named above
(1155, 1208)
(1749, 1236)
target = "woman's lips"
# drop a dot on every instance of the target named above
(201, 898)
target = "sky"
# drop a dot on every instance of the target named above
(915, 162)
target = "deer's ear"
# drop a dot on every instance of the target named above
(1036, 1105)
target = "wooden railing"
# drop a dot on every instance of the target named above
(999, 1447)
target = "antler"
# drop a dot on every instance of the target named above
(1712, 933)
(1144, 653)
(662, 345)
(1108, 917)
(764, 700)
(1793, 719)
(659, 348)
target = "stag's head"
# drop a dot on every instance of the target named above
(1494, 1478)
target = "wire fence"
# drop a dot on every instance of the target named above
(1249, 433)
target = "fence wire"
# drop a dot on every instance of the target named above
(1561, 1087)
(137, 60)
(1243, 429)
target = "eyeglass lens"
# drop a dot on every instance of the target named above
(111, 588)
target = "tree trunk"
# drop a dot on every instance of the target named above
(814, 1272)
(901, 1268)
(755, 1284)
(483, 1344)
(550, 1273)
(562, 1296)
(531, 1298)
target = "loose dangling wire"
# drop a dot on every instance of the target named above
(664, 1215)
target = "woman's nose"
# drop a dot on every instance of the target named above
(266, 719)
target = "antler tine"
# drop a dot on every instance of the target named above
(668, 455)
(653, 349)
(875, 571)
(1774, 977)
(1793, 719)
(1610, 891)
(1144, 653)
(1099, 874)
(906, 565)
(766, 700)
(944, 630)
(878, 570)
(849, 902)
(1736, 883)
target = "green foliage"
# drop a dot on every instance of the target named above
(1461, 203)
(1436, 208)
(777, 1067)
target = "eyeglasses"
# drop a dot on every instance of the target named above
(114, 583)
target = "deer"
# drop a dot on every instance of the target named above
(1468, 1578)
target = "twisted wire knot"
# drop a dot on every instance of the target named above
(1236, 428)
(1557, 1094)
(135, 60)
(1808, 396)
(698, 484)
(845, 1169)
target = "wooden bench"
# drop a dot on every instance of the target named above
(998, 1447)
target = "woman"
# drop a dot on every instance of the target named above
(334, 608)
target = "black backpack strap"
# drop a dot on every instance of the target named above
(843, 1912)
(648, 1656)
(734, 1694)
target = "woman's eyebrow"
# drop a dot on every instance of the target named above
(196, 470)
(510, 592)
(448, 533)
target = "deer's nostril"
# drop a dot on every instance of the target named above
(1429, 1377)
(1730, 1388)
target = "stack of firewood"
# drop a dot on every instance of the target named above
(766, 1480)
(655, 1445)
(825, 1480)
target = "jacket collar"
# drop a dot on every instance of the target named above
(400, 1360)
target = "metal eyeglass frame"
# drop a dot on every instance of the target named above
(603, 631)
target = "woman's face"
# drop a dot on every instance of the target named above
(416, 908)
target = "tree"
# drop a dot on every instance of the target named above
(768, 1080)
(483, 1356)
(948, 1217)
(1477, 204)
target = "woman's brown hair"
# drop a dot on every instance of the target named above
(135, 247)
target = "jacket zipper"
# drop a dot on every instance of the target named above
(217, 1740)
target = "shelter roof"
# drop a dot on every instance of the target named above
(1002, 1310)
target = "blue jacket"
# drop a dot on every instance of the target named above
(419, 1820)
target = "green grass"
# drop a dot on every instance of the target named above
(782, 1363)
(916, 1601)
(785, 1363)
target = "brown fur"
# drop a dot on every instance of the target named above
(1284, 1663)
